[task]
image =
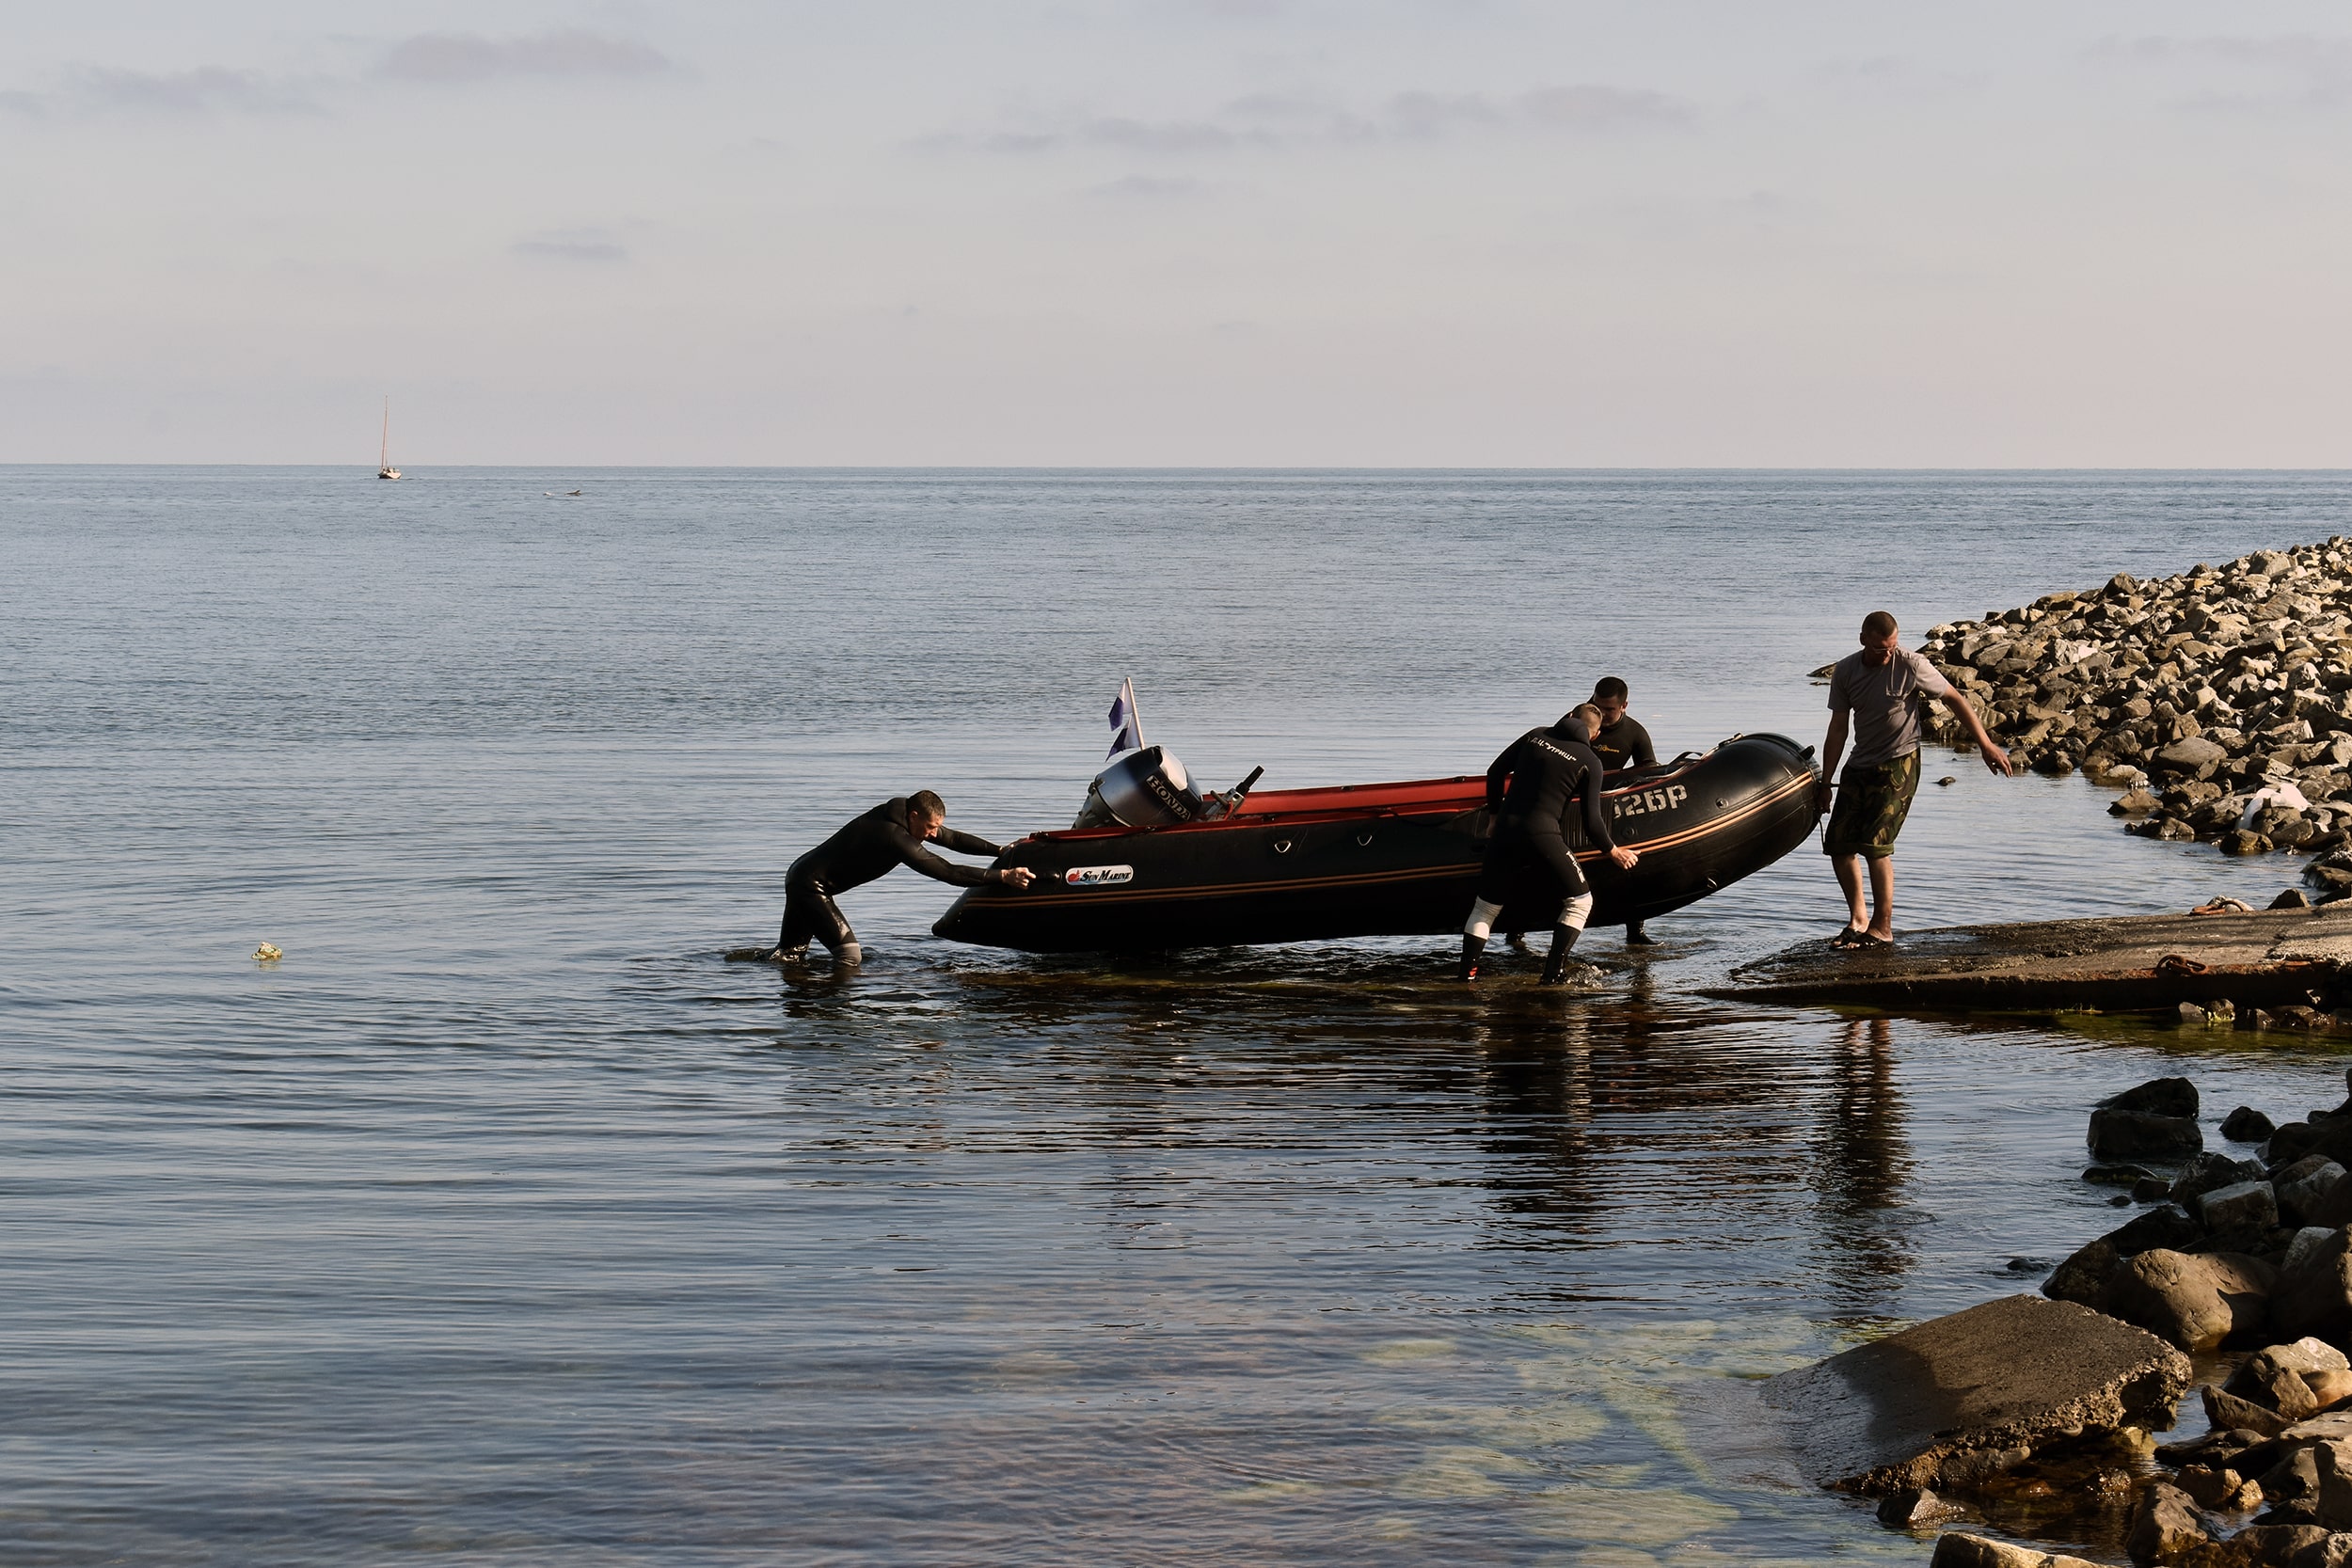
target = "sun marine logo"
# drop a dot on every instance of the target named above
(1098, 875)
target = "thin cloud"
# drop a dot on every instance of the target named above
(2306, 70)
(593, 246)
(1145, 187)
(203, 90)
(472, 57)
(1275, 121)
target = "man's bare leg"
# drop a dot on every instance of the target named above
(1849, 869)
(1881, 897)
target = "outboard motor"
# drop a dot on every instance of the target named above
(1143, 789)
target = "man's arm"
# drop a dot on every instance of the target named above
(1597, 817)
(913, 852)
(1644, 753)
(1833, 747)
(1498, 774)
(1996, 759)
(967, 844)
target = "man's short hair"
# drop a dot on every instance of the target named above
(1608, 688)
(1878, 624)
(1586, 715)
(924, 804)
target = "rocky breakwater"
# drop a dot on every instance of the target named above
(2034, 1417)
(2234, 1253)
(2220, 699)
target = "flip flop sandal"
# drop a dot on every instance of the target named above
(1865, 941)
(1848, 937)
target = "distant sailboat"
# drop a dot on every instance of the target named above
(384, 468)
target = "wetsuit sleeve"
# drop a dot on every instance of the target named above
(967, 843)
(1596, 812)
(1500, 774)
(1644, 753)
(911, 852)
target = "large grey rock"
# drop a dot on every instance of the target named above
(2117, 1134)
(2166, 1527)
(2194, 1301)
(2164, 1097)
(2244, 1205)
(2295, 1380)
(2316, 1298)
(2331, 1206)
(2195, 755)
(2208, 1171)
(2227, 1412)
(1915, 1508)
(2085, 1276)
(2333, 1497)
(2302, 1184)
(1965, 1395)
(1956, 1550)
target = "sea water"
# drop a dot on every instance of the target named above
(502, 1222)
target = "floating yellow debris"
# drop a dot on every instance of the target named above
(267, 953)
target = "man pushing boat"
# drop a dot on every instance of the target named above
(870, 846)
(1529, 788)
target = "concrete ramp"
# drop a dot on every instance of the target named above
(2272, 958)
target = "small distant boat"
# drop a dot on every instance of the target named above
(384, 468)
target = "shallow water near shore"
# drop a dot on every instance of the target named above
(502, 1222)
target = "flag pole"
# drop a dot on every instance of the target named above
(1135, 709)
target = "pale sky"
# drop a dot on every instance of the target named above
(1180, 232)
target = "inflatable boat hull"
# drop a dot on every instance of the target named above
(1384, 860)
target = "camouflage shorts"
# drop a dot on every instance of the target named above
(1871, 805)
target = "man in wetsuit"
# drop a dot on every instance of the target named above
(1621, 742)
(891, 835)
(1529, 788)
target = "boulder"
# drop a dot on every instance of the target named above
(2286, 1545)
(2245, 841)
(2303, 1248)
(2117, 1134)
(2245, 1125)
(1915, 1508)
(2240, 1205)
(2164, 1097)
(2085, 1276)
(2207, 1172)
(2295, 1380)
(2227, 1412)
(2118, 1176)
(2166, 1527)
(2315, 1298)
(2195, 756)
(2196, 1302)
(1958, 1397)
(2332, 1499)
(2303, 1183)
(2165, 1226)
(1955, 1550)
(2330, 1206)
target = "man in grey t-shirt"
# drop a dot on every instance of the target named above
(1880, 692)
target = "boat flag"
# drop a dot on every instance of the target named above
(1126, 724)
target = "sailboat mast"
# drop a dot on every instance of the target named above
(383, 453)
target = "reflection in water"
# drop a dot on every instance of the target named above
(1860, 1161)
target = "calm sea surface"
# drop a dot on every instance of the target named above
(502, 1222)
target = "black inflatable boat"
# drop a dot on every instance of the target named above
(1153, 864)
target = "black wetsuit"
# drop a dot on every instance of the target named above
(870, 846)
(1546, 769)
(1624, 744)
